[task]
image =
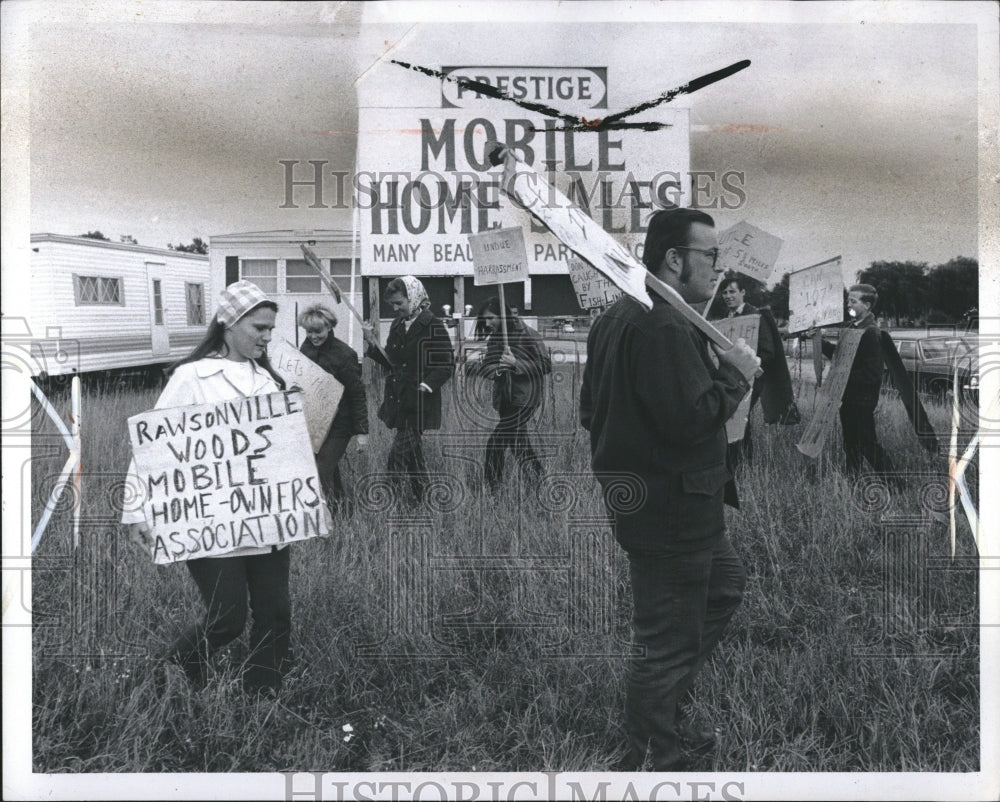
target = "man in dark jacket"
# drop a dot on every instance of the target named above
(655, 399)
(857, 406)
(774, 386)
(338, 359)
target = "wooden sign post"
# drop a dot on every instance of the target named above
(227, 475)
(817, 356)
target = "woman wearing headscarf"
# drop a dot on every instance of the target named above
(418, 356)
(231, 362)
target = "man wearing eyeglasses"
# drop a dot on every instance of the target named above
(655, 399)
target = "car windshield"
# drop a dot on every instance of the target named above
(944, 350)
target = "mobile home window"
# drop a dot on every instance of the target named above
(300, 277)
(340, 269)
(97, 291)
(262, 272)
(195, 294)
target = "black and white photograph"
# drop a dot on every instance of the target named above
(500, 401)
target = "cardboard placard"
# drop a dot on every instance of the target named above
(747, 327)
(499, 256)
(749, 250)
(321, 392)
(227, 475)
(593, 291)
(815, 296)
(828, 398)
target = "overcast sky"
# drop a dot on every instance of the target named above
(858, 138)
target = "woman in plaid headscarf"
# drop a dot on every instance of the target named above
(231, 362)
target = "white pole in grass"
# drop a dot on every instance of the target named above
(76, 409)
(73, 464)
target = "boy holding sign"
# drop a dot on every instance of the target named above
(774, 386)
(230, 363)
(857, 407)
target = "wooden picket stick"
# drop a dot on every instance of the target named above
(503, 319)
(313, 261)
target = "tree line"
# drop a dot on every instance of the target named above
(197, 245)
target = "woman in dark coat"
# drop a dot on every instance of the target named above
(418, 356)
(518, 372)
(338, 359)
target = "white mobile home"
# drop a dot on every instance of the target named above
(98, 305)
(273, 261)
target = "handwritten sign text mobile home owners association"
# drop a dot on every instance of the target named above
(227, 475)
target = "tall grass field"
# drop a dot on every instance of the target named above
(490, 632)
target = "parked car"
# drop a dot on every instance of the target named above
(932, 360)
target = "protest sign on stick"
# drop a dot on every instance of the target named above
(593, 291)
(321, 392)
(747, 327)
(499, 256)
(815, 296)
(227, 475)
(746, 249)
(828, 398)
(575, 229)
(749, 250)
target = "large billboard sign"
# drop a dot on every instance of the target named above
(425, 181)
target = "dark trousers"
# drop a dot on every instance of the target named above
(225, 583)
(406, 461)
(682, 602)
(858, 424)
(511, 432)
(328, 466)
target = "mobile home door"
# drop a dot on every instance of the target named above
(155, 274)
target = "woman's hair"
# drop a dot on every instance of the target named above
(318, 312)
(396, 287)
(214, 344)
(492, 305)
